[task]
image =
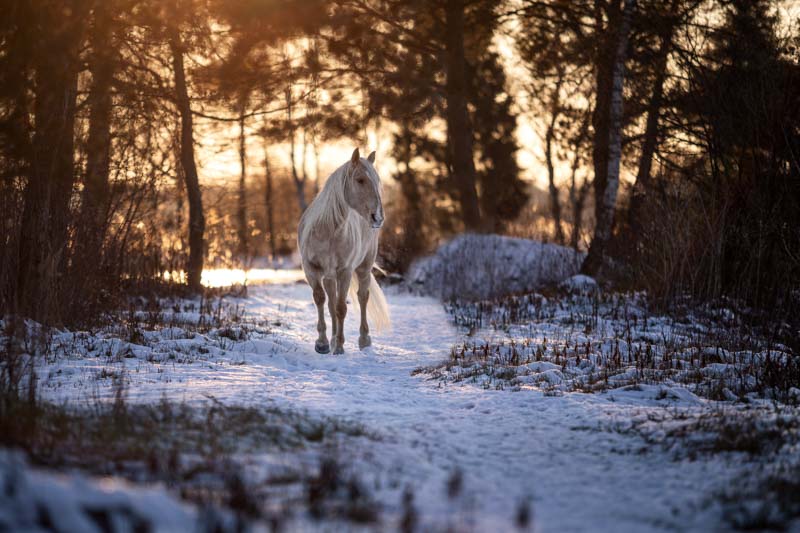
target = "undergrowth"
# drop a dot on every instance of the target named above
(596, 342)
(203, 454)
(764, 438)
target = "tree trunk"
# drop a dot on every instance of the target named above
(268, 203)
(577, 195)
(96, 191)
(197, 223)
(241, 211)
(304, 158)
(555, 204)
(459, 131)
(412, 238)
(315, 147)
(650, 141)
(45, 218)
(607, 186)
(601, 113)
(300, 185)
(412, 243)
(578, 198)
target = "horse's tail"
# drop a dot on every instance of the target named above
(377, 308)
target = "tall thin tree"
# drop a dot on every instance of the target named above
(607, 183)
(459, 130)
(45, 219)
(241, 203)
(197, 222)
(96, 191)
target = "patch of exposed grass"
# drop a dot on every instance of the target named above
(158, 330)
(595, 343)
(203, 453)
(766, 502)
(97, 436)
(335, 494)
(756, 431)
(766, 496)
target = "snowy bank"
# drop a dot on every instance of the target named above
(35, 500)
(486, 266)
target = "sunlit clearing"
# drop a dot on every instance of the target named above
(225, 277)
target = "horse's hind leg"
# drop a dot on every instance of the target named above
(322, 345)
(363, 275)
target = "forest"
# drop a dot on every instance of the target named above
(661, 137)
(566, 176)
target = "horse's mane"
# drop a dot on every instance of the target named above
(329, 208)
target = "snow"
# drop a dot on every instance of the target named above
(579, 283)
(224, 277)
(574, 456)
(599, 341)
(34, 498)
(485, 266)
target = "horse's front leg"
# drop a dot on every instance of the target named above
(343, 278)
(364, 339)
(322, 345)
(330, 289)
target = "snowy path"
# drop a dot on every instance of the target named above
(510, 446)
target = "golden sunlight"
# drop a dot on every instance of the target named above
(225, 277)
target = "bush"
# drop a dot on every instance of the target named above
(485, 266)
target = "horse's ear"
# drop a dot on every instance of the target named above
(356, 157)
(371, 157)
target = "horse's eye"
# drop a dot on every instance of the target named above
(360, 181)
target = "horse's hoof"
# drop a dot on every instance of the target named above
(364, 341)
(339, 350)
(322, 347)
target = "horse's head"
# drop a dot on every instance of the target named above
(362, 189)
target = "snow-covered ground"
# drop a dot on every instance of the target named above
(35, 500)
(578, 461)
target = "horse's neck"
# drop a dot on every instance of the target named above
(329, 228)
(334, 212)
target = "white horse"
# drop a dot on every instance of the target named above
(338, 241)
